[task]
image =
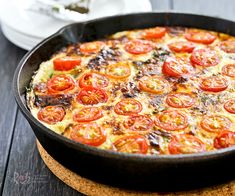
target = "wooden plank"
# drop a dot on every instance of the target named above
(218, 8)
(9, 57)
(160, 4)
(26, 173)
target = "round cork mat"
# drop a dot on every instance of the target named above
(92, 188)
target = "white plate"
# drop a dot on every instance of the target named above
(26, 28)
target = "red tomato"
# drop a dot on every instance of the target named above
(154, 33)
(154, 84)
(224, 139)
(88, 133)
(172, 120)
(228, 46)
(216, 123)
(87, 114)
(93, 80)
(138, 46)
(213, 84)
(181, 46)
(60, 84)
(91, 96)
(119, 70)
(91, 47)
(51, 114)
(176, 67)
(128, 107)
(131, 144)
(138, 123)
(66, 63)
(200, 36)
(186, 144)
(230, 106)
(180, 100)
(229, 70)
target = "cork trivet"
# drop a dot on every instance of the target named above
(92, 188)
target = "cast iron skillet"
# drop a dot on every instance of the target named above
(162, 173)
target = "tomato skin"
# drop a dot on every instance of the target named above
(186, 144)
(138, 47)
(176, 67)
(131, 144)
(88, 114)
(228, 46)
(215, 123)
(177, 100)
(229, 70)
(204, 57)
(93, 80)
(224, 139)
(66, 63)
(92, 96)
(213, 84)
(171, 120)
(201, 37)
(60, 84)
(51, 114)
(230, 106)
(121, 107)
(181, 46)
(91, 47)
(88, 133)
(113, 70)
(154, 33)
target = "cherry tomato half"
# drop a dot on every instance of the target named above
(171, 120)
(154, 33)
(216, 123)
(87, 114)
(229, 70)
(228, 46)
(91, 96)
(224, 139)
(93, 80)
(180, 100)
(186, 144)
(213, 84)
(91, 47)
(88, 133)
(204, 57)
(138, 46)
(60, 84)
(51, 114)
(119, 70)
(181, 46)
(131, 144)
(128, 107)
(66, 63)
(200, 36)
(230, 106)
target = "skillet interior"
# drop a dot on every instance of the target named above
(163, 173)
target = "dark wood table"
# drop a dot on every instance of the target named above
(22, 172)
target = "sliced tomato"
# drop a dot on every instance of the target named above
(88, 133)
(228, 46)
(138, 123)
(60, 84)
(200, 36)
(119, 70)
(180, 100)
(204, 57)
(154, 33)
(216, 123)
(92, 96)
(91, 47)
(224, 139)
(229, 70)
(230, 106)
(171, 120)
(213, 84)
(176, 67)
(128, 107)
(131, 144)
(138, 46)
(66, 63)
(51, 114)
(93, 80)
(181, 46)
(154, 84)
(186, 144)
(87, 114)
